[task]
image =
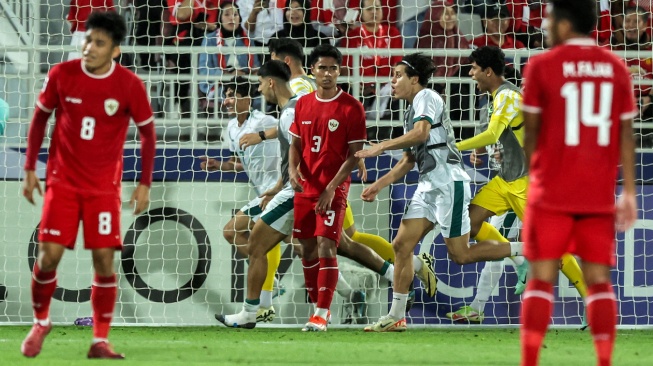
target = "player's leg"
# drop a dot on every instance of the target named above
(594, 236)
(57, 231)
(411, 231)
(236, 231)
(273, 226)
(544, 247)
(378, 244)
(328, 229)
(263, 239)
(101, 217)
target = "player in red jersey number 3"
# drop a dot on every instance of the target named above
(95, 99)
(329, 128)
(578, 113)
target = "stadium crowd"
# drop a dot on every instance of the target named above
(366, 24)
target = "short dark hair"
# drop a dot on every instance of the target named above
(325, 50)
(580, 13)
(110, 22)
(275, 69)
(489, 56)
(512, 75)
(420, 65)
(240, 85)
(287, 47)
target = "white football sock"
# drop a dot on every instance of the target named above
(489, 279)
(516, 248)
(342, 288)
(266, 299)
(390, 273)
(398, 308)
(417, 264)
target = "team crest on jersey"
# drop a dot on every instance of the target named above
(333, 125)
(111, 107)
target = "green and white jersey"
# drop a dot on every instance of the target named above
(438, 160)
(261, 162)
(283, 134)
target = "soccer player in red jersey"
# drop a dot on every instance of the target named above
(578, 106)
(329, 128)
(95, 99)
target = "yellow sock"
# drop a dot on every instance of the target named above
(381, 246)
(572, 271)
(489, 232)
(274, 258)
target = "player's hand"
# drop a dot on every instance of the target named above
(362, 170)
(324, 202)
(626, 212)
(369, 194)
(375, 150)
(267, 197)
(140, 199)
(31, 182)
(208, 164)
(295, 180)
(249, 139)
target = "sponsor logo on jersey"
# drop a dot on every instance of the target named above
(73, 100)
(111, 107)
(306, 122)
(333, 125)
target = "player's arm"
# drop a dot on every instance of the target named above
(294, 158)
(532, 123)
(35, 138)
(397, 172)
(252, 139)
(505, 112)
(418, 135)
(626, 204)
(324, 202)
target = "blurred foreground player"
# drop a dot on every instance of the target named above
(578, 106)
(95, 98)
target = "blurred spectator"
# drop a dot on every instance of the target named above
(148, 28)
(261, 19)
(336, 18)
(190, 20)
(412, 13)
(297, 25)
(374, 34)
(77, 14)
(214, 62)
(528, 18)
(635, 38)
(496, 22)
(440, 31)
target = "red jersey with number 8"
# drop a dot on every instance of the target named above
(582, 93)
(326, 128)
(92, 117)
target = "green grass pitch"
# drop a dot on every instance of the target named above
(189, 346)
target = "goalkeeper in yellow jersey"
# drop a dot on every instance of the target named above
(507, 190)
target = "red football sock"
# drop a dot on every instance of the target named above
(602, 317)
(311, 270)
(327, 280)
(537, 305)
(43, 286)
(103, 301)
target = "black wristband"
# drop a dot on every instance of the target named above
(262, 134)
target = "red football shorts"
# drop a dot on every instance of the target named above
(550, 234)
(308, 224)
(64, 208)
